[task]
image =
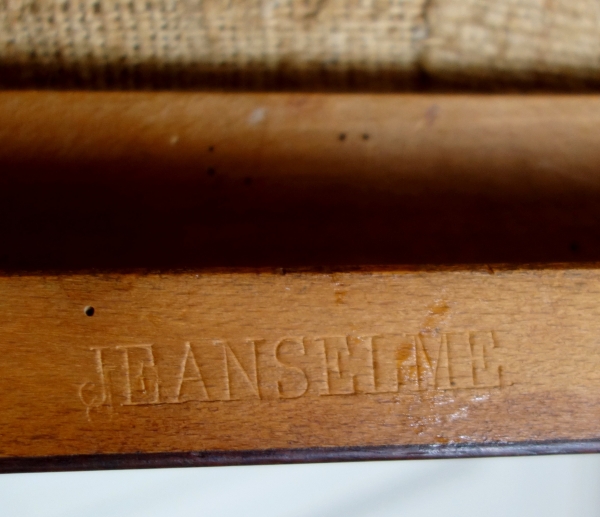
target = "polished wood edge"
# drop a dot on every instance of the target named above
(292, 456)
(317, 270)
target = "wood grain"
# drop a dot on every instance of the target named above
(213, 236)
(255, 361)
(140, 180)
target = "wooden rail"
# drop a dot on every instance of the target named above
(211, 279)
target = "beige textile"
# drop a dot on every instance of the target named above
(517, 39)
(296, 43)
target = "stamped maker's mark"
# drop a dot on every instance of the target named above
(291, 367)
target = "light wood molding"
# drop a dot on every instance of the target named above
(222, 362)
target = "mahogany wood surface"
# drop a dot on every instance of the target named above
(212, 279)
(158, 180)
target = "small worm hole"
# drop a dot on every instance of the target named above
(89, 311)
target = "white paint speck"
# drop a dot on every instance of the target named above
(462, 412)
(174, 139)
(257, 116)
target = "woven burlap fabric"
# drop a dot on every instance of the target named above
(515, 40)
(252, 41)
(266, 44)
